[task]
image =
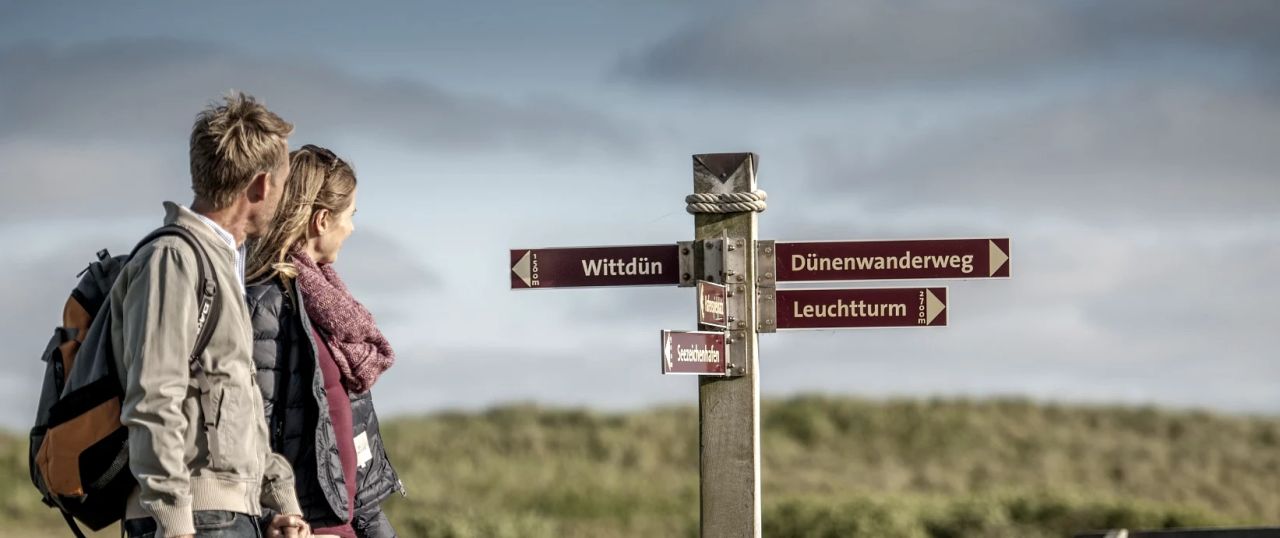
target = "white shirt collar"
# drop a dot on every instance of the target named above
(231, 242)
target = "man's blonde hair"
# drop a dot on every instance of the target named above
(231, 143)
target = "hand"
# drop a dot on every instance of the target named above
(288, 526)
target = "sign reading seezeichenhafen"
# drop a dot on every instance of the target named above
(860, 308)
(574, 267)
(825, 261)
(694, 353)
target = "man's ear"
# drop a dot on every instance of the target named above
(319, 222)
(259, 186)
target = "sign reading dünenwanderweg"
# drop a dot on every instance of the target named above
(893, 260)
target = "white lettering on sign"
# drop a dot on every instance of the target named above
(621, 267)
(698, 354)
(712, 306)
(811, 262)
(849, 309)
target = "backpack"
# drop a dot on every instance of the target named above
(79, 452)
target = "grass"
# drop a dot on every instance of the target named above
(833, 467)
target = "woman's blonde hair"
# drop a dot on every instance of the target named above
(318, 179)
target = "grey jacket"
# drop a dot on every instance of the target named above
(297, 411)
(189, 449)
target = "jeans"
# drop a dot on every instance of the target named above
(209, 524)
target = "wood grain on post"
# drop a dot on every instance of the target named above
(729, 407)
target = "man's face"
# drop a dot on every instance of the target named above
(260, 220)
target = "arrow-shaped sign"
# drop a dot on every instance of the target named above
(859, 308)
(667, 352)
(694, 353)
(826, 261)
(933, 306)
(998, 258)
(521, 268)
(639, 265)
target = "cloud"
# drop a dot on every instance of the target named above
(816, 45)
(78, 122)
(35, 285)
(152, 88)
(1093, 313)
(373, 262)
(485, 374)
(1198, 151)
(106, 178)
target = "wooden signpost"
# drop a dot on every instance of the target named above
(736, 276)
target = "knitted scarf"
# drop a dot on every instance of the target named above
(358, 347)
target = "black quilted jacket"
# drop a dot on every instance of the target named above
(293, 395)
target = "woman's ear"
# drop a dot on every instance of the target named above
(319, 222)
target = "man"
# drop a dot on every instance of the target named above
(198, 442)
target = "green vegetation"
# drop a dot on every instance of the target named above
(833, 467)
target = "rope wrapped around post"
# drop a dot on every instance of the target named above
(732, 202)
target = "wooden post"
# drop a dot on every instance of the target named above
(729, 407)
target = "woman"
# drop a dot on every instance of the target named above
(318, 353)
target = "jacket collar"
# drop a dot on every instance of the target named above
(182, 216)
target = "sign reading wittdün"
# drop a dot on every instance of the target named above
(694, 353)
(642, 265)
(821, 261)
(859, 308)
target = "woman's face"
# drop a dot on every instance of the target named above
(334, 231)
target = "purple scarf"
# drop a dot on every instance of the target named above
(358, 347)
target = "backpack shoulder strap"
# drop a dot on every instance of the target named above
(206, 288)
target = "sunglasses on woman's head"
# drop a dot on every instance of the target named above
(324, 153)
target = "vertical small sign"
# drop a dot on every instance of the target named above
(712, 304)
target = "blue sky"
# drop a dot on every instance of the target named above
(1129, 150)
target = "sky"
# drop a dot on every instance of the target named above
(1131, 152)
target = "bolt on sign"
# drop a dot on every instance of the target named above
(712, 304)
(642, 265)
(893, 260)
(694, 353)
(860, 308)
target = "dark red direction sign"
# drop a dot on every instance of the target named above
(823, 261)
(642, 265)
(858, 308)
(712, 304)
(694, 353)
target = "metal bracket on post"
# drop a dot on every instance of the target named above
(684, 252)
(712, 252)
(735, 278)
(766, 287)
